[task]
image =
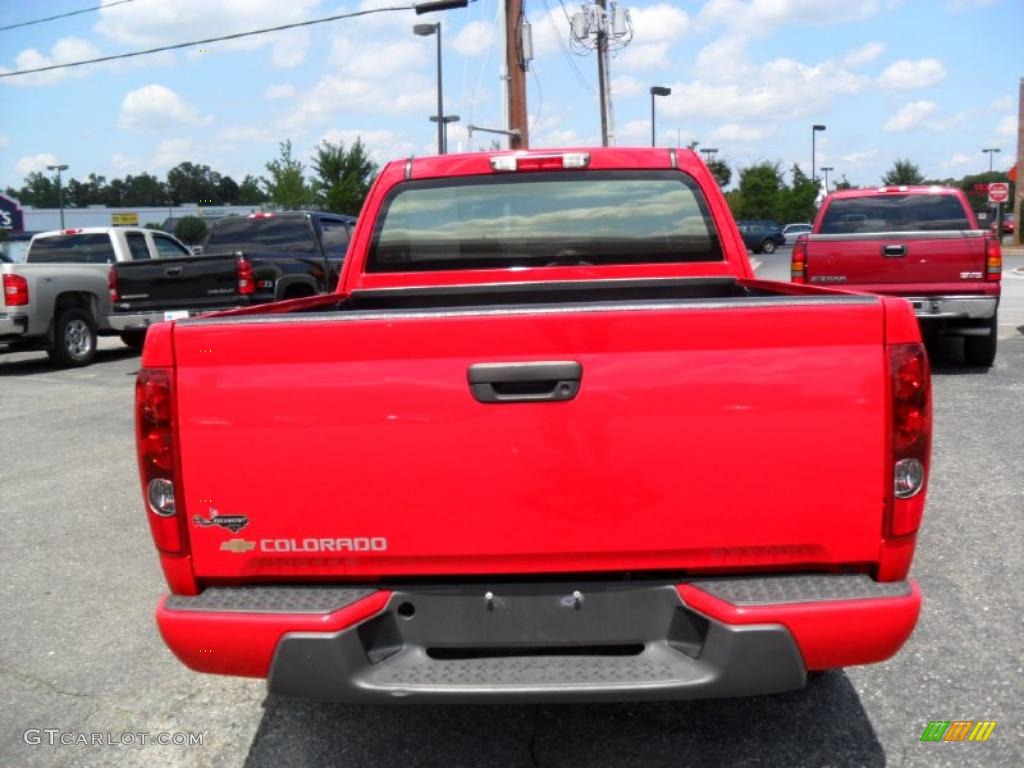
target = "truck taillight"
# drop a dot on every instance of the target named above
(798, 262)
(15, 291)
(993, 258)
(911, 434)
(560, 161)
(115, 295)
(246, 281)
(158, 459)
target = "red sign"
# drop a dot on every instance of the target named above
(998, 192)
(980, 186)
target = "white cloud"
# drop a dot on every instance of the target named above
(645, 56)
(548, 26)
(4, 141)
(382, 145)
(290, 48)
(762, 17)
(342, 96)
(909, 116)
(170, 152)
(906, 75)
(155, 107)
(1007, 127)
(627, 87)
(282, 91)
(634, 133)
(856, 159)
(35, 163)
(476, 38)
(659, 23)
(65, 50)
(741, 133)
(777, 90)
(149, 23)
(352, 56)
(865, 54)
(964, 5)
(1002, 104)
(959, 160)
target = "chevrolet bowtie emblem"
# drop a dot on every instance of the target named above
(237, 545)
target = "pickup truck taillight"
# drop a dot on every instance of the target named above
(15, 291)
(911, 431)
(246, 280)
(798, 263)
(158, 458)
(993, 258)
(115, 295)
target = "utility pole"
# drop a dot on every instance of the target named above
(515, 64)
(1018, 197)
(602, 71)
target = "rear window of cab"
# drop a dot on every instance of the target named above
(72, 249)
(912, 212)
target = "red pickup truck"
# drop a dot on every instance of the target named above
(919, 242)
(550, 440)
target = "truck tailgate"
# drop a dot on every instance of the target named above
(724, 436)
(189, 282)
(897, 258)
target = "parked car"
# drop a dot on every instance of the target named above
(245, 260)
(761, 236)
(792, 231)
(918, 242)
(1008, 222)
(59, 299)
(5, 259)
(526, 451)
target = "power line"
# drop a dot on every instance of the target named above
(236, 36)
(63, 15)
(565, 51)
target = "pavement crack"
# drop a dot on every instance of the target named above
(43, 684)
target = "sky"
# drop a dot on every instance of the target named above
(934, 81)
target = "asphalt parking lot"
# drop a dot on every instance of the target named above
(79, 651)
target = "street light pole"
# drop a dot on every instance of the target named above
(826, 169)
(657, 90)
(990, 151)
(60, 189)
(425, 30)
(445, 120)
(814, 133)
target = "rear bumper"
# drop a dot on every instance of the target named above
(140, 321)
(953, 307)
(542, 642)
(12, 325)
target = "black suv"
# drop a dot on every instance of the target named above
(761, 236)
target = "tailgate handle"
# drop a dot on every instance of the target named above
(894, 250)
(174, 271)
(525, 382)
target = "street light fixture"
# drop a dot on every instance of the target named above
(60, 189)
(814, 133)
(445, 120)
(826, 169)
(657, 90)
(991, 151)
(708, 152)
(426, 30)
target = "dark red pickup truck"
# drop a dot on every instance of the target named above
(550, 440)
(919, 242)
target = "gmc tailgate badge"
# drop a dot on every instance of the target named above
(233, 523)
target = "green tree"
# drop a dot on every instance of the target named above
(903, 172)
(796, 202)
(286, 188)
(249, 192)
(342, 177)
(144, 190)
(191, 183)
(721, 171)
(759, 190)
(844, 183)
(227, 191)
(39, 191)
(191, 230)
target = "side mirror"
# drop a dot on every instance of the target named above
(196, 250)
